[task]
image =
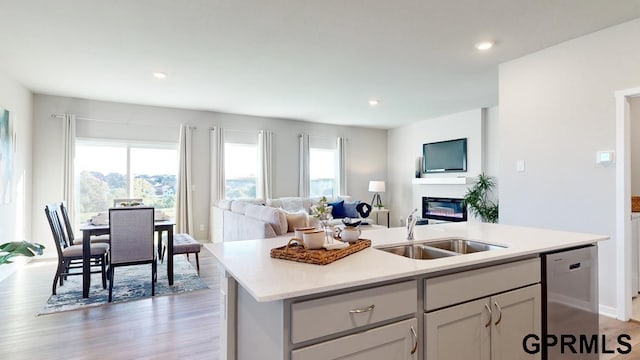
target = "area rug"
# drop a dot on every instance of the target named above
(131, 283)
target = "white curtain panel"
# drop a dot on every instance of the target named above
(341, 145)
(217, 168)
(303, 184)
(264, 164)
(184, 210)
(68, 153)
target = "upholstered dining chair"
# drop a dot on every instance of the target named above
(70, 256)
(71, 237)
(131, 230)
(184, 244)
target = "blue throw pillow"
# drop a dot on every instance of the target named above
(338, 209)
(350, 209)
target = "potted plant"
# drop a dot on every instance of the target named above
(477, 199)
(18, 248)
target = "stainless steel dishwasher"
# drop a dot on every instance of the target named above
(570, 302)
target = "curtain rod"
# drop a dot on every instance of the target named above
(61, 116)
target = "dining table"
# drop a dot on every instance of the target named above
(89, 229)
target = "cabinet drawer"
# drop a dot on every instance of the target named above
(467, 285)
(394, 341)
(332, 314)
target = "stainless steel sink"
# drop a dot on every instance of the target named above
(462, 246)
(418, 252)
(440, 248)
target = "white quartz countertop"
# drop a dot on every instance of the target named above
(268, 279)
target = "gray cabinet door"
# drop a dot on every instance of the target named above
(516, 314)
(459, 332)
(488, 328)
(390, 342)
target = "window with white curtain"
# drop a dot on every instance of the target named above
(324, 174)
(107, 170)
(240, 164)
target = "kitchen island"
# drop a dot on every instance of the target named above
(279, 309)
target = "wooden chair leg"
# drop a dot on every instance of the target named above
(111, 273)
(153, 278)
(55, 279)
(198, 263)
(104, 272)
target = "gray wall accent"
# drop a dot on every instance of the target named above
(479, 126)
(15, 218)
(557, 109)
(366, 148)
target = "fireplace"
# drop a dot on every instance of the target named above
(446, 209)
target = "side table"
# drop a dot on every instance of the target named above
(377, 211)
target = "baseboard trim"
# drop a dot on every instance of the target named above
(608, 311)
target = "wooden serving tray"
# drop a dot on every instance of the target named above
(295, 251)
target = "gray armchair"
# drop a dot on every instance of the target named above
(132, 235)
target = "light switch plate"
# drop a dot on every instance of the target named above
(606, 157)
(520, 165)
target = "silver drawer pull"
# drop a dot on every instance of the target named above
(415, 336)
(490, 315)
(499, 313)
(359, 311)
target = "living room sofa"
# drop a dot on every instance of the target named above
(259, 219)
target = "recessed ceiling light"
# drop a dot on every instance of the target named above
(159, 75)
(485, 45)
(374, 102)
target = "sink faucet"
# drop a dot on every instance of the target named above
(411, 223)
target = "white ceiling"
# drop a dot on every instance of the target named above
(314, 60)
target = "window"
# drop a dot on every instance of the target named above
(322, 172)
(240, 164)
(112, 170)
(323, 167)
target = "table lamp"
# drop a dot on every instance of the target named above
(376, 187)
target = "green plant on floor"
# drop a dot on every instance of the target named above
(19, 248)
(477, 199)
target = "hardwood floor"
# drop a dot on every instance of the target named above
(185, 326)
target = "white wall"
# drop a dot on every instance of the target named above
(366, 148)
(16, 216)
(557, 109)
(635, 145)
(405, 145)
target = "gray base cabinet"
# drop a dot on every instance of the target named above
(488, 328)
(458, 332)
(481, 313)
(395, 341)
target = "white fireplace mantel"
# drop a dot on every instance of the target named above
(452, 180)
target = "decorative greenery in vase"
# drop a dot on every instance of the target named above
(477, 199)
(321, 210)
(18, 248)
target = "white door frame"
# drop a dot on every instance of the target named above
(623, 202)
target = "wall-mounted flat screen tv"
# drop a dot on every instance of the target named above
(445, 156)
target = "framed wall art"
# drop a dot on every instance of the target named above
(6, 156)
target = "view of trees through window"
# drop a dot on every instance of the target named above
(322, 172)
(240, 170)
(103, 174)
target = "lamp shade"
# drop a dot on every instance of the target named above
(376, 186)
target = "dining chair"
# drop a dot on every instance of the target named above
(184, 244)
(126, 202)
(70, 256)
(71, 237)
(131, 230)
